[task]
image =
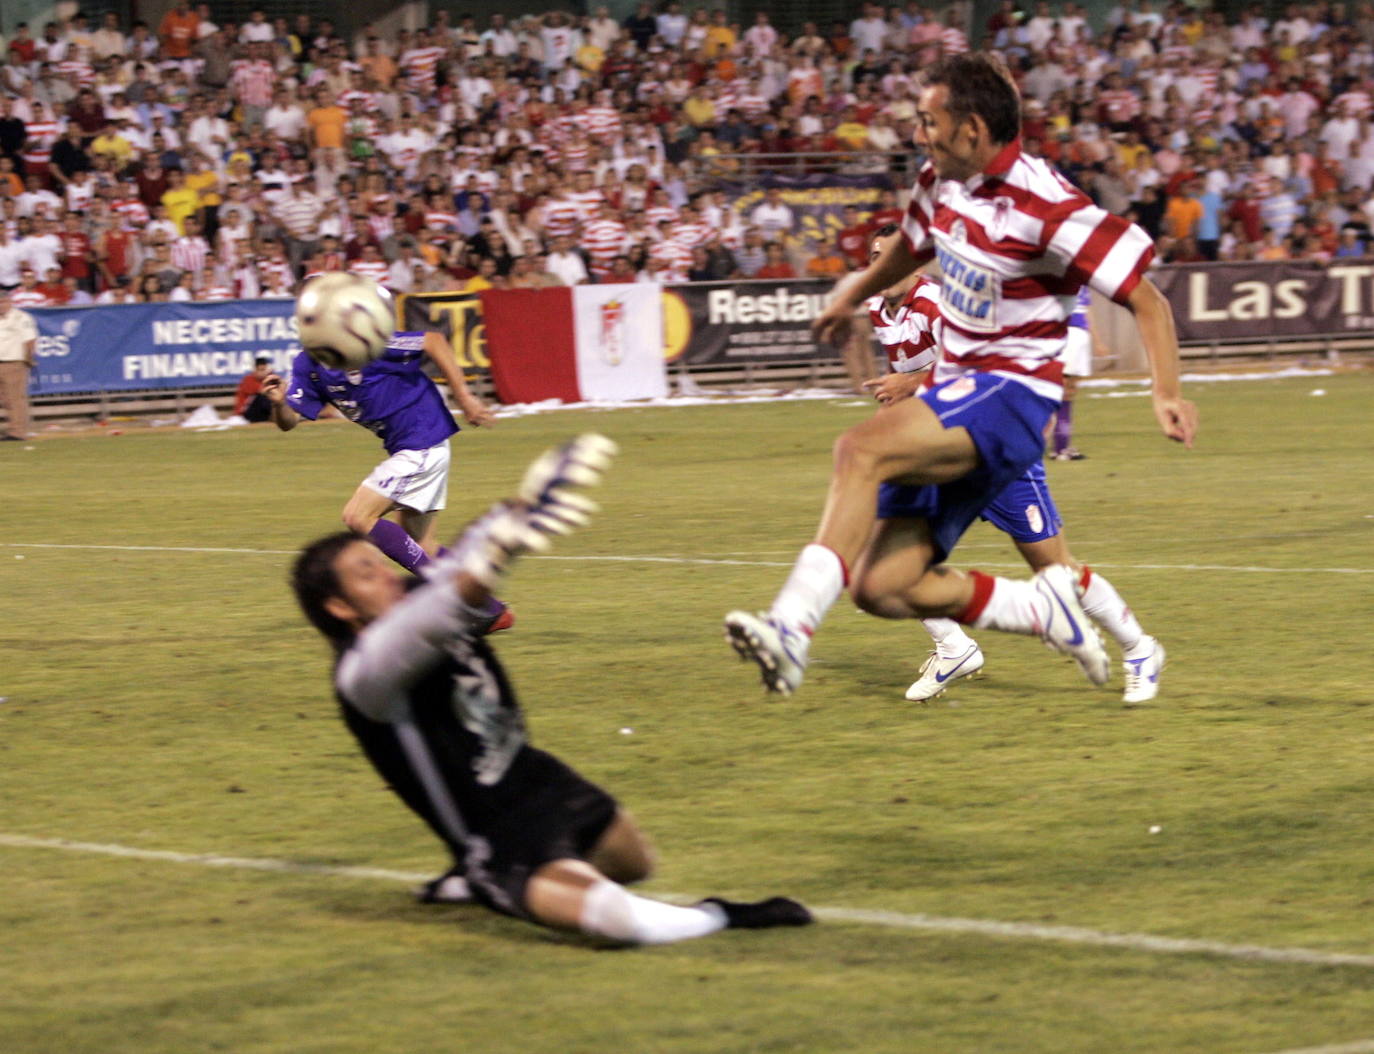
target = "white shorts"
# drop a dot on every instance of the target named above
(417, 479)
(1078, 353)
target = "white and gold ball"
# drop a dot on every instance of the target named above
(344, 320)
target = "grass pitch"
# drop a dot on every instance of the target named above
(169, 698)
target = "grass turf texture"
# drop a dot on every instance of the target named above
(174, 700)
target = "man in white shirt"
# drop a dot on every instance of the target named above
(18, 339)
(285, 117)
(499, 36)
(870, 31)
(11, 259)
(108, 40)
(257, 30)
(567, 266)
(772, 217)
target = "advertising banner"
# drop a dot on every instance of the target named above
(1253, 301)
(817, 202)
(727, 323)
(458, 316)
(128, 347)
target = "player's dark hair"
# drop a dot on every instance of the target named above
(979, 84)
(885, 230)
(314, 581)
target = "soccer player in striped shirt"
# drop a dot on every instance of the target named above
(906, 321)
(430, 705)
(1015, 242)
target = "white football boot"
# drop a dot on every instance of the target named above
(1142, 673)
(1068, 629)
(940, 671)
(779, 650)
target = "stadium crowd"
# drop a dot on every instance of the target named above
(204, 160)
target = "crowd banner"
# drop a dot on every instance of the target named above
(458, 316)
(132, 347)
(1254, 301)
(817, 202)
(586, 343)
(729, 323)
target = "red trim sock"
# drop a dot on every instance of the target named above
(844, 567)
(983, 586)
(1085, 577)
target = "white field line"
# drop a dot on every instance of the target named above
(1138, 942)
(694, 560)
(1359, 1046)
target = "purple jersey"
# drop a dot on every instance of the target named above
(1079, 318)
(391, 396)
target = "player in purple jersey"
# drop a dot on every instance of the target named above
(393, 398)
(1078, 362)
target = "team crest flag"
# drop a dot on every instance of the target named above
(586, 343)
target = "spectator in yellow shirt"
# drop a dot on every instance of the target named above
(699, 109)
(112, 143)
(851, 131)
(181, 200)
(721, 37)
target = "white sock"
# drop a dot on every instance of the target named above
(816, 581)
(949, 637)
(1014, 607)
(612, 911)
(1103, 604)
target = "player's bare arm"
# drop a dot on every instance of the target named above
(475, 412)
(283, 416)
(892, 265)
(1154, 319)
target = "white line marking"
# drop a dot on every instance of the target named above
(1359, 1046)
(698, 560)
(1140, 942)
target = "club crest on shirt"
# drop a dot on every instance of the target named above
(958, 231)
(956, 390)
(1001, 217)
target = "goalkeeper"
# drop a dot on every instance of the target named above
(429, 703)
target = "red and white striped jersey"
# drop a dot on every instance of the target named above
(588, 202)
(1356, 100)
(190, 253)
(252, 82)
(603, 240)
(215, 292)
(378, 270)
(132, 212)
(955, 41)
(444, 221)
(1015, 244)
(37, 150)
(561, 216)
(602, 121)
(910, 334)
(676, 257)
(28, 298)
(1119, 104)
(691, 234)
(421, 65)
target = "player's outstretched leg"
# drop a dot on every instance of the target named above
(760, 914)
(956, 656)
(1142, 655)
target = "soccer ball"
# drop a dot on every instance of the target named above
(344, 320)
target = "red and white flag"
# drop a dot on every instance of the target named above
(586, 343)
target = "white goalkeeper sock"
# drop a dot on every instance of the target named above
(612, 911)
(816, 582)
(949, 637)
(1103, 604)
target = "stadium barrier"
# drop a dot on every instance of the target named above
(169, 358)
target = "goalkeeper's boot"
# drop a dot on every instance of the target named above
(940, 671)
(1143, 665)
(1066, 627)
(761, 914)
(779, 649)
(449, 888)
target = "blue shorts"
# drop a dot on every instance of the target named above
(1025, 510)
(1006, 421)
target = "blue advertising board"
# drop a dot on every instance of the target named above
(127, 347)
